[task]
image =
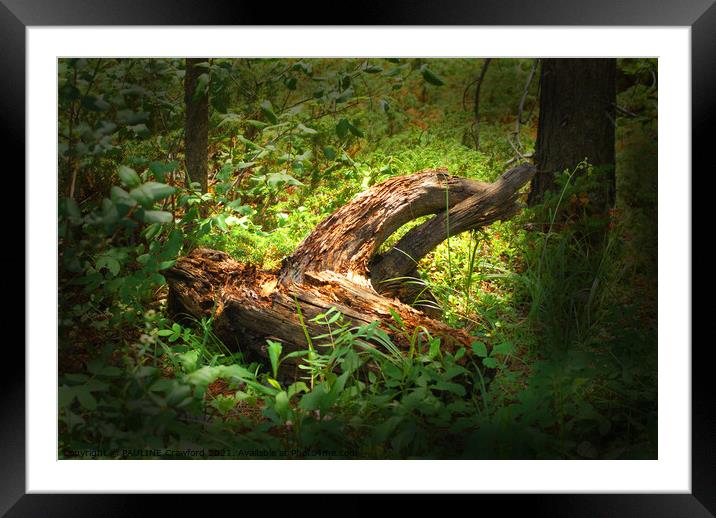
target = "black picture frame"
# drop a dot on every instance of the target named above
(16, 15)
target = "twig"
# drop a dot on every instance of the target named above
(611, 119)
(519, 157)
(518, 120)
(624, 111)
(70, 146)
(476, 107)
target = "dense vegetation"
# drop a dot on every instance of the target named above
(570, 323)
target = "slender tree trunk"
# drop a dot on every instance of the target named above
(576, 122)
(197, 124)
(476, 108)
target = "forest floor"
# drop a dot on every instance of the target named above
(571, 327)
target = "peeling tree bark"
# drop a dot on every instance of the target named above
(347, 240)
(491, 203)
(336, 265)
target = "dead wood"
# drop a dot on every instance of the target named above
(336, 265)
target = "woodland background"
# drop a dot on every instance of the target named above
(560, 299)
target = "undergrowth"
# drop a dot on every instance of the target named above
(563, 301)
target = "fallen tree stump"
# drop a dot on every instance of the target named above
(337, 265)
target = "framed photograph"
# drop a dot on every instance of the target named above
(448, 253)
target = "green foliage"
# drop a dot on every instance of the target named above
(562, 362)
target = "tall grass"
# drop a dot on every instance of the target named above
(569, 271)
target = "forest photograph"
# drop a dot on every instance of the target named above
(357, 258)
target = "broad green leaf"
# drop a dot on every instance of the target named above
(160, 169)
(157, 216)
(86, 399)
(109, 212)
(246, 141)
(152, 231)
(306, 68)
(357, 132)
(312, 400)
(329, 152)
(342, 128)
(490, 362)
(121, 197)
(150, 192)
(101, 105)
(385, 429)
(329, 400)
(140, 130)
(131, 118)
(268, 112)
(297, 387)
(281, 405)
(256, 124)
(479, 349)
(128, 176)
(453, 371)
(77, 378)
(430, 76)
(290, 83)
(166, 264)
(504, 348)
(65, 395)
(396, 317)
(203, 376)
(145, 371)
(202, 86)
(306, 130)
(94, 385)
(244, 165)
(276, 179)
(223, 403)
(235, 371)
(414, 399)
(274, 351)
(72, 209)
(347, 94)
(178, 394)
(449, 386)
(189, 360)
(108, 262)
(98, 368)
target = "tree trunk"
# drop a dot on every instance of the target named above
(197, 124)
(336, 266)
(576, 122)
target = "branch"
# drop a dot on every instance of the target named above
(498, 201)
(517, 144)
(476, 109)
(347, 240)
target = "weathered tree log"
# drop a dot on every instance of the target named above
(332, 267)
(249, 305)
(346, 240)
(496, 201)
